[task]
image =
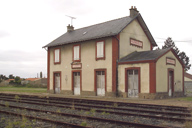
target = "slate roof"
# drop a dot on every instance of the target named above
(106, 29)
(188, 75)
(144, 55)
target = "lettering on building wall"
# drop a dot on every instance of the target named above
(76, 66)
(136, 43)
(170, 61)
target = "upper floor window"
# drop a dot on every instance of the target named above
(57, 55)
(76, 53)
(100, 50)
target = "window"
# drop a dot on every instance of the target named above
(57, 56)
(100, 50)
(76, 53)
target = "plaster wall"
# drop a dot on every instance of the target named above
(162, 74)
(134, 31)
(89, 63)
(187, 79)
(144, 76)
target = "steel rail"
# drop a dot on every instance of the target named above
(43, 119)
(117, 108)
(112, 112)
(91, 118)
(160, 107)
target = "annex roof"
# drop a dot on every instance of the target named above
(188, 75)
(106, 29)
(144, 55)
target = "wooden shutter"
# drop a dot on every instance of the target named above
(57, 55)
(100, 49)
(76, 52)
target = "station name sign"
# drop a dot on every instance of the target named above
(76, 66)
(170, 61)
(136, 43)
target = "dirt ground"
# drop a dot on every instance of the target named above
(169, 102)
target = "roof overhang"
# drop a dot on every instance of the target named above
(146, 30)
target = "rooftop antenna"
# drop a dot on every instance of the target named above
(71, 19)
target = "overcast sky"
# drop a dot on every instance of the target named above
(27, 25)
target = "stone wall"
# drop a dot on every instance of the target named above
(188, 88)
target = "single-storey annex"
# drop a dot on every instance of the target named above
(188, 84)
(114, 58)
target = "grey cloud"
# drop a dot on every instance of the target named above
(19, 56)
(23, 64)
(4, 34)
(71, 6)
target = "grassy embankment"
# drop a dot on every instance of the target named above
(22, 89)
(185, 99)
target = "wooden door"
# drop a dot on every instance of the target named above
(170, 83)
(133, 83)
(57, 82)
(100, 83)
(76, 78)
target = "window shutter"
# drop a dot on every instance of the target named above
(57, 54)
(76, 53)
(100, 49)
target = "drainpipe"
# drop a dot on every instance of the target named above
(117, 91)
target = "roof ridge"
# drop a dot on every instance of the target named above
(102, 23)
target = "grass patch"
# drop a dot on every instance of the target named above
(22, 89)
(185, 99)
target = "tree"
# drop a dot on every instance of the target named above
(41, 75)
(183, 57)
(3, 77)
(11, 76)
(17, 80)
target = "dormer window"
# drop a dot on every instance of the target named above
(76, 53)
(100, 50)
(57, 56)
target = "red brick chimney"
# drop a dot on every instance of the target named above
(133, 11)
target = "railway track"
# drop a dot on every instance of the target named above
(116, 122)
(179, 114)
(109, 103)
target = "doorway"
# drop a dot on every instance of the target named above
(133, 82)
(170, 82)
(76, 83)
(100, 83)
(57, 83)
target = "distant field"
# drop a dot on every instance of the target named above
(23, 89)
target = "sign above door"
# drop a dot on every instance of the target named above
(76, 66)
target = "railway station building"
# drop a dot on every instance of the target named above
(114, 59)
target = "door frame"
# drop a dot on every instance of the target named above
(126, 78)
(72, 80)
(95, 79)
(59, 72)
(172, 70)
